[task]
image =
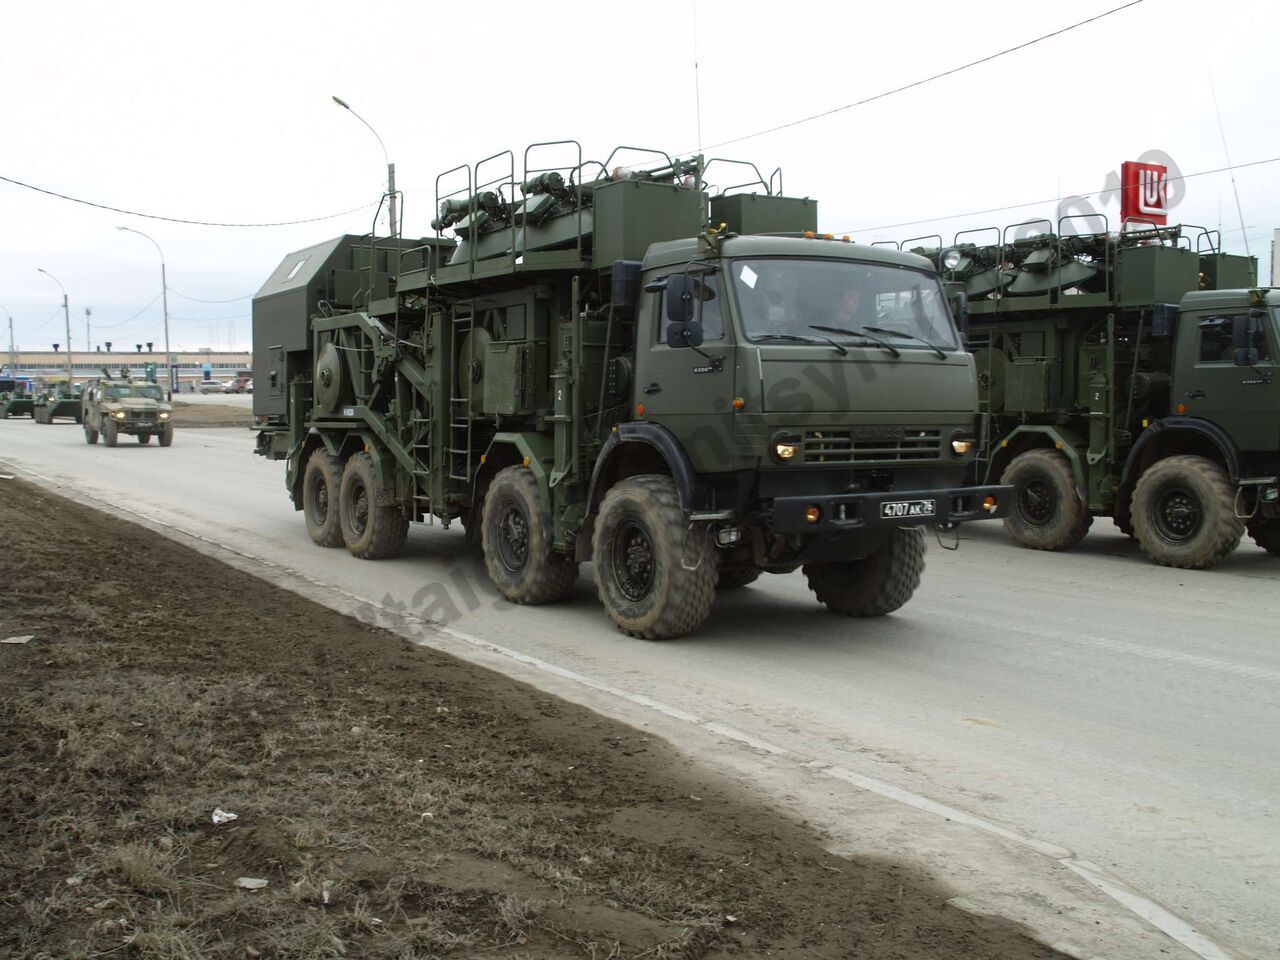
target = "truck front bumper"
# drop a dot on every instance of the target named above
(883, 509)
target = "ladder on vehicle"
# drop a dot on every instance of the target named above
(459, 448)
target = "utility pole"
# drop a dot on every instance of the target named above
(66, 313)
(13, 353)
(88, 335)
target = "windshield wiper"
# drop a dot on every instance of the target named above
(860, 332)
(910, 336)
(791, 337)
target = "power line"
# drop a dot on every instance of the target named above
(937, 76)
(1056, 199)
(197, 223)
(184, 296)
(121, 323)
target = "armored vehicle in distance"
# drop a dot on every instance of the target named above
(117, 404)
(55, 398)
(15, 398)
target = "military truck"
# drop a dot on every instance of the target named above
(1128, 375)
(613, 364)
(15, 398)
(116, 404)
(55, 398)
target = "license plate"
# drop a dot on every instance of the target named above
(906, 509)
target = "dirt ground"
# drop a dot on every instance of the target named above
(210, 415)
(392, 802)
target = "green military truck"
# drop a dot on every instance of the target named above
(613, 365)
(116, 404)
(1128, 375)
(55, 398)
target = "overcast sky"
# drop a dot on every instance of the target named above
(223, 112)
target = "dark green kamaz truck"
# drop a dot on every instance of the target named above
(1129, 375)
(614, 365)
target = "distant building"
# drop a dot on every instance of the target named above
(192, 367)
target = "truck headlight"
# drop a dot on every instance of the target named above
(119, 415)
(951, 259)
(961, 447)
(164, 416)
(785, 446)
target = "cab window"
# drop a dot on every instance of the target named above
(712, 314)
(1217, 343)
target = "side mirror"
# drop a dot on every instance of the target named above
(680, 292)
(1241, 329)
(959, 298)
(687, 334)
(1247, 356)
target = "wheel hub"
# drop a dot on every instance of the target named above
(513, 537)
(1036, 502)
(633, 561)
(359, 509)
(1178, 515)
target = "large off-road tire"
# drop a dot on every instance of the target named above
(1266, 533)
(1047, 513)
(144, 438)
(166, 436)
(110, 433)
(1184, 513)
(735, 579)
(517, 537)
(320, 482)
(90, 434)
(370, 531)
(655, 571)
(875, 585)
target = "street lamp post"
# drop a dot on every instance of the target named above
(164, 299)
(88, 334)
(391, 167)
(66, 313)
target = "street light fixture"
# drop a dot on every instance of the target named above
(66, 313)
(164, 295)
(391, 167)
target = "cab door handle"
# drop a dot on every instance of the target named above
(1196, 395)
(651, 388)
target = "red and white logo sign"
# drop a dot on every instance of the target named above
(1144, 192)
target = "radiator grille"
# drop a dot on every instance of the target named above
(871, 444)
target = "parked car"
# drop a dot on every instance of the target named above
(211, 386)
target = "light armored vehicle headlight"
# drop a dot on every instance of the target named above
(164, 415)
(119, 414)
(951, 259)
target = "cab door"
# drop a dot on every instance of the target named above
(687, 389)
(1243, 400)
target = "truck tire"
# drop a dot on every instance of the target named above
(517, 537)
(110, 433)
(735, 579)
(1047, 512)
(370, 531)
(90, 434)
(1184, 513)
(875, 585)
(1265, 532)
(166, 436)
(320, 482)
(144, 438)
(655, 572)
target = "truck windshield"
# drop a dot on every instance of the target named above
(785, 298)
(148, 391)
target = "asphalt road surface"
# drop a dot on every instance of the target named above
(1084, 742)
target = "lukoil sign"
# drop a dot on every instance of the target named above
(1144, 192)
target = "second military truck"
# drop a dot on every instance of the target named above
(1130, 375)
(614, 365)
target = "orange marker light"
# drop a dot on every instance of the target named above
(808, 234)
(827, 236)
(639, 409)
(812, 514)
(738, 403)
(989, 504)
(1181, 408)
(845, 238)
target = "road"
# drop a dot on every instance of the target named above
(1036, 728)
